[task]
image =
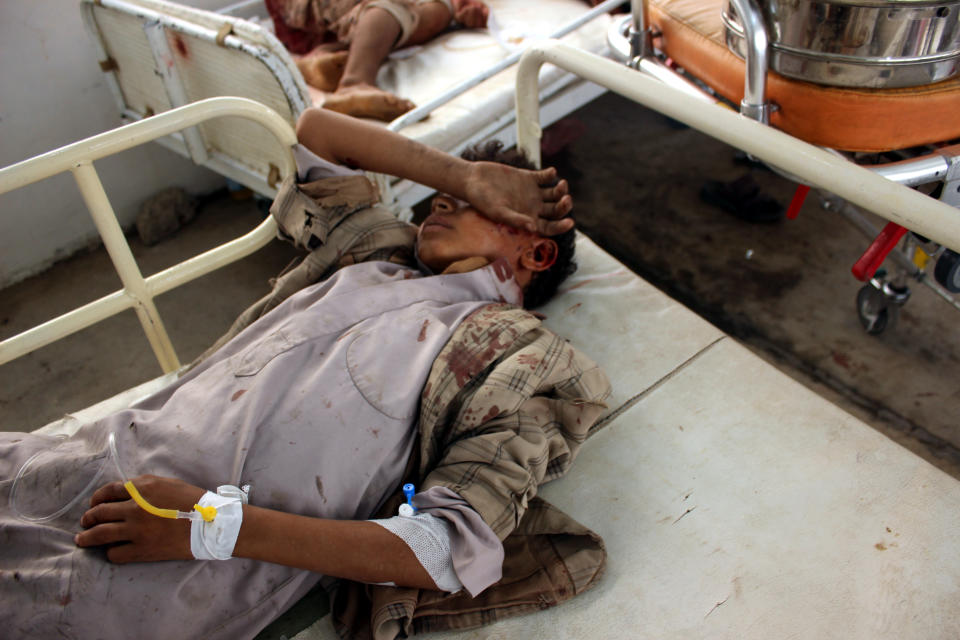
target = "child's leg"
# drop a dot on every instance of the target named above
(322, 68)
(374, 36)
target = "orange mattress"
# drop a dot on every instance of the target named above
(840, 118)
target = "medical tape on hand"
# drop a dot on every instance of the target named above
(215, 540)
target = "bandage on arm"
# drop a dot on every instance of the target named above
(429, 539)
(476, 554)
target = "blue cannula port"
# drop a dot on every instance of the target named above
(408, 491)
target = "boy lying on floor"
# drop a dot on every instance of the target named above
(409, 360)
(342, 43)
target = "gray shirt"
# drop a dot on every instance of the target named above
(314, 405)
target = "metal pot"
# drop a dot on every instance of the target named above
(848, 43)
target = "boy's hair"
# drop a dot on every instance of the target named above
(544, 283)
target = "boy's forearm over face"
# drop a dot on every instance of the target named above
(516, 197)
(363, 145)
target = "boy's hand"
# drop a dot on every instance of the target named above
(517, 197)
(135, 535)
(471, 13)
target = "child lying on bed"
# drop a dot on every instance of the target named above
(342, 43)
(410, 360)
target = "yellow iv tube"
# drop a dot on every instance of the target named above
(207, 513)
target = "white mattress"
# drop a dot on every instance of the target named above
(734, 502)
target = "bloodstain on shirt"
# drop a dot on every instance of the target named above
(502, 270)
(320, 489)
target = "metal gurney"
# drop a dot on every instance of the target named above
(875, 81)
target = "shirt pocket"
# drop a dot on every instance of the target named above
(254, 359)
(389, 375)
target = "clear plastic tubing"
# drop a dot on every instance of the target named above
(19, 508)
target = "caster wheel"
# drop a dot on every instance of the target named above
(947, 271)
(875, 310)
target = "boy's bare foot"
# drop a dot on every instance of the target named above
(367, 101)
(323, 69)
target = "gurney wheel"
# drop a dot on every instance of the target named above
(875, 310)
(947, 271)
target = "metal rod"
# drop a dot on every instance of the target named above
(818, 167)
(915, 170)
(641, 40)
(123, 261)
(754, 104)
(131, 135)
(940, 291)
(423, 111)
(64, 325)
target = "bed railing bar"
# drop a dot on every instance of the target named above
(213, 259)
(146, 130)
(64, 325)
(821, 168)
(125, 264)
(423, 111)
(138, 292)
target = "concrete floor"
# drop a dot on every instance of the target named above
(782, 289)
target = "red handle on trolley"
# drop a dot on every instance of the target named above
(798, 197)
(864, 268)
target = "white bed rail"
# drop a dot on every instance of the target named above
(897, 203)
(138, 292)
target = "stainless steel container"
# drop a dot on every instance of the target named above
(850, 43)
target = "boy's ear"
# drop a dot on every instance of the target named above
(540, 255)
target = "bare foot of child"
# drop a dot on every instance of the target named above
(367, 101)
(323, 69)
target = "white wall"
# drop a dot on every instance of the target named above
(52, 92)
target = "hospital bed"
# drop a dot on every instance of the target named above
(157, 55)
(877, 82)
(734, 503)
